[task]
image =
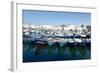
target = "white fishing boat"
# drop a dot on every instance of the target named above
(70, 40)
(62, 41)
(78, 40)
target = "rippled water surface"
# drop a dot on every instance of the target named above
(36, 52)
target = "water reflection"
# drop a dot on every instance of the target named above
(35, 51)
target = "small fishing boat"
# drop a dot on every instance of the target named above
(77, 40)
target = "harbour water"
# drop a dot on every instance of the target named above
(36, 51)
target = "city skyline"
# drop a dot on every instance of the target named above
(50, 17)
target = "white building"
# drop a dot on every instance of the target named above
(55, 28)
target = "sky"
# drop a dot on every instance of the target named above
(51, 17)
